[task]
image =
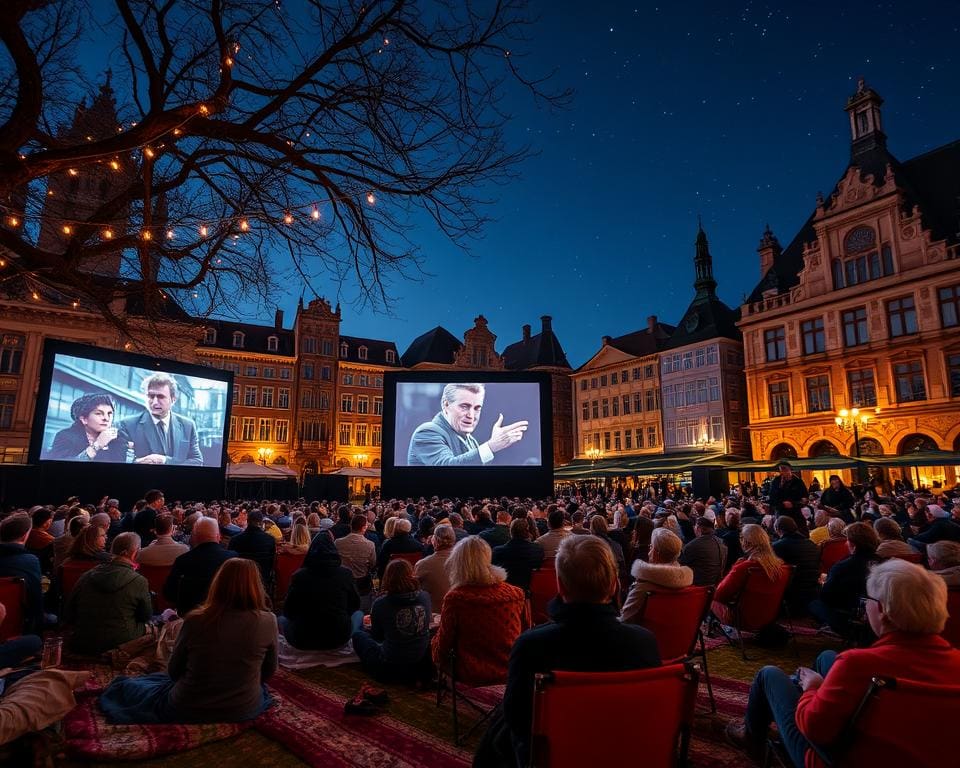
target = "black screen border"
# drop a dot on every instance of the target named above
(54, 347)
(402, 481)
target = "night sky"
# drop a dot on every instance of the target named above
(679, 109)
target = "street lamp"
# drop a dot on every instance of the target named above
(853, 421)
(264, 454)
(593, 454)
(360, 457)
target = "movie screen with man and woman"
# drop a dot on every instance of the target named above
(100, 409)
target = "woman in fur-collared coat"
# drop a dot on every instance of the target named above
(662, 572)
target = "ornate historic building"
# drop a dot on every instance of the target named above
(862, 309)
(616, 396)
(701, 371)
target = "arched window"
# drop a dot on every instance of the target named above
(344, 349)
(362, 353)
(783, 451)
(823, 448)
(917, 444)
(860, 239)
(870, 447)
(272, 343)
(210, 336)
(391, 356)
(863, 259)
(238, 339)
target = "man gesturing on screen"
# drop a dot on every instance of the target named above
(159, 435)
(447, 440)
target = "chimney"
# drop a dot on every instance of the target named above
(547, 324)
(651, 323)
(526, 333)
(605, 340)
(278, 320)
(769, 249)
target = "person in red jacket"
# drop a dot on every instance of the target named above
(907, 609)
(757, 553)
(481, 616)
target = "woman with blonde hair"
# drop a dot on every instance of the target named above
(481, 615)
(225, 652)
(300, 539)
(89, 545)
(757, 553)
(662, 572)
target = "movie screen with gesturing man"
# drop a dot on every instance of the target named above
(101, 408)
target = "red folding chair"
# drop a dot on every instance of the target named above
(609, 703)
(543, 588)
(951, 632)
(411, 557)
(758, 604)
(70, 573)
(156, 576)
(675, 616)
(885, 726)
(13, 595)
(287, 564)
(913, 557)
(832, 551)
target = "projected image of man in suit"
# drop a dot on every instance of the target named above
(447, 439)
(159, 435)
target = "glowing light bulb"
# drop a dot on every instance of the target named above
(36, 296)
(67, 229)
(146, 234)
(108, 234)
(244, 225)
(115, 165)
(371, 198)
(13, 221)
(228, 61)
(148, 152)
(170, 234)
(177, 131)
(73, 172)
(204, 109)
(288, 218)
(203, 230)
(315, 212)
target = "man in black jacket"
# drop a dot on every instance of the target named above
(584, 616)
(847, 581)
(787, 493)
(519, 556)
(401, 542)
(257, 545)
(804, 556)
(191, 573)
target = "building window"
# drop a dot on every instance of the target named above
(855, 327)
(668, 395)
(210, 336)
(652, 441)
(617, 441)
(266, 427)
(378, 406)
(266, 397)
(594, 382)
(363, 380)
(269, 373)
(249, 395)
(779, 394)
(378, 382)
(11, 353)
(909, 382)
(348, 379)
(614, 378)
(639, 435)
(863, 388)
(637, 403)
(251, 370)
(308, 371)
(363, 404)
(232, 434)
(7, 402)
(814, 340)
(324, 404)
(902, 316)
(605, 407)
(284, 373)
(616, 406)
(308, 398)
(273, 343)
(626, 405)
(687, 361)
(346, 403)
(863, 262)
(283, 397)
(585, 411)
(480, 358)
(236, 395)
(238, 339)
(623, 377)
(714, 382)
(650, 400)
(362, 353)
(716, 429)
(326, 347)
(360, 438)
(775, 342)
(247, 428)
(583, 385)
(606, 441)
(666, 365)
(391, 356)
(713, 355)
(344, 350)
(700, 357)
(282, 431)
(953, 373)
(309, 345)
(325, 373)
(949, 306)
(818, 394)
(345, 434)
(375, 436)
(595, 409)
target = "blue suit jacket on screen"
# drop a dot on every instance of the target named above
(436, 444)
(142, 432)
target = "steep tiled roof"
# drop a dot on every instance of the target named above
(542, 350)
(643, 342)
(705, 318)
(434, 346)
(376, 351)
(254, 338)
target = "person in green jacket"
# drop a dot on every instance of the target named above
(110, 605)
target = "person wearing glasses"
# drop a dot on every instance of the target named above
(906, 606)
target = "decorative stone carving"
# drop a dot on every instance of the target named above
(908, 232)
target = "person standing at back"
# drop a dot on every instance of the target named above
(787, 493)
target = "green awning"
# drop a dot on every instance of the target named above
(818, 462)
(922, 459)
(649, 464)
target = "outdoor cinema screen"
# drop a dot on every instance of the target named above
(110, 407)
(479, 423)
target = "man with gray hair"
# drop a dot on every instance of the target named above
(432, 570)
(944, 559)
(447, 439)
(158, 435)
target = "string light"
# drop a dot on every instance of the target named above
(315, 213)
(148, 152)
(67, 229)
(3, 262)
(73, 172)
(203, 230)
(108, 234)
(170, 234)
(36, 296)
(13, 221)
(76, 304)
(371, 198)
(204, 109)
(287, 217)
(115, 165)
(146, 234)
(244, 225)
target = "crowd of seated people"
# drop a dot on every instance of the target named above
(466, 566)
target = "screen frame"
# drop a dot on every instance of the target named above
(403, 481)
(54, 347)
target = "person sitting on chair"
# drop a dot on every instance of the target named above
(847, 579)
(584, 616)
(757, 551)
(192, 572)
(662, 572)
(907, 609)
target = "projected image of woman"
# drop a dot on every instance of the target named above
(92, 436)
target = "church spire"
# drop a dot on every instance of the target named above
(705, 285)
(866, 127)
